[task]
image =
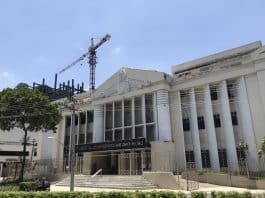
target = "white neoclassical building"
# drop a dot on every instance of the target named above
(148, 120)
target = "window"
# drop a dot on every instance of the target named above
(201, 124)
(118, 135)
(128, 133)
(76, 120)
(67, 140)
(222, 158)
(109, 114)
(234, 118)
(90, 116)
(118, 114)
(186, 124)
(138, 110)
(127, 113)
(205, 159)
(213, 91)
(82, 118)
(138, 132)
(190, 160)
(89, 137)
(68, 121)
(149, 108)
(81, 138)
(108, 136)
(217, 121)
(150, 133)
(230, 91)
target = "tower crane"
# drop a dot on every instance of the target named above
(92, 60)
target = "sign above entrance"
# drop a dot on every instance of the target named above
(104, 146)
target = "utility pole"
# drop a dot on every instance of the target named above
(34, 143)
(72, 144)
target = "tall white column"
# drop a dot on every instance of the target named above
(122, 118)
(247, 127)
(228, 129)
(133, 118)
(155, 115)
(78, 128)
(113, 121)
(143, 115)
(195, 130)
(104, 121)
(180, 142)
(98, 126)
(210, 129)
(164, 125)
(86, 128)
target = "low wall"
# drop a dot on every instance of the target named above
(224, 179)
(164, 180)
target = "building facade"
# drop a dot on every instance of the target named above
(195, 118)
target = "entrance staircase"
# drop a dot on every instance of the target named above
(135, 182)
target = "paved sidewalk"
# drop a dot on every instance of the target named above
(203, 187)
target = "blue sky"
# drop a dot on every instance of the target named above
(38, 38)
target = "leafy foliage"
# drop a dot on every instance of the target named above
(261, 150)
(28, 186)
(27, 109)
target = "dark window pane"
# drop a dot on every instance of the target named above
(186, 124)
(222, 158)
(76, 120)
(90, 116)
(128, 133)
(82, 118)
(230, 91)
(150, 133)
(205, 159)
(217, 121)
(138, 132)
(68, 121)
(234, 118)
(118, 135)
(81, 138)
(213, 92)
(108, 136)
(201, 124)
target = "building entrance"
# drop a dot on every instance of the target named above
(127, 162)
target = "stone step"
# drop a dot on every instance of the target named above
(110, 181)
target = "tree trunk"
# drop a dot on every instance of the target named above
(21, 176)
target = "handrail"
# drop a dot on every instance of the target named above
(96, 173)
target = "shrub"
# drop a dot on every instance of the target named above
(28, 186)
(197, 195)
(231, 195)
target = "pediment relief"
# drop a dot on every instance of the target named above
(207, 69)
(119, 84)
(258, 53)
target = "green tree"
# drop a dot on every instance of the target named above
(28, 110)
(261, 150)
(243, 146)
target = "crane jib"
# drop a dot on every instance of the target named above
(92, 60)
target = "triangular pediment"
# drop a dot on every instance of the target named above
(126, 80)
